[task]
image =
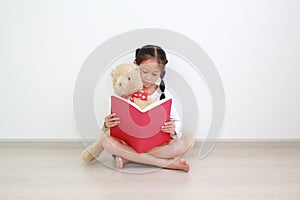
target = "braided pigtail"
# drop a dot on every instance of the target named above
(162, 86)
(150, 52)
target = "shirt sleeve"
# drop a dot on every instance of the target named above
(175, 116)
(109, 105)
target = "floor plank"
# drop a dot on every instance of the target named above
(231, 171)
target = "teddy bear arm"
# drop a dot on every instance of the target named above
(141, 103)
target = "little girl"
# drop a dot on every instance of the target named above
(152, 61)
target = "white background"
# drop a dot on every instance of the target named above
(255, 46)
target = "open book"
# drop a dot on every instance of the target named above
(141, 129)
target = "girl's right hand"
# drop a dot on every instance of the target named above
(111, 120)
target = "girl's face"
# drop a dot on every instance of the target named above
(150, 72)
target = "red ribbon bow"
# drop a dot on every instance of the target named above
(140, 94)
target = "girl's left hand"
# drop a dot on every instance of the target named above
(169, 127)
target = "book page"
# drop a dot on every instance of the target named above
(157, 103)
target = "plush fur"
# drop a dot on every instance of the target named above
(126, 80)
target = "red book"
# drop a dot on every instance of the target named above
(141, 129)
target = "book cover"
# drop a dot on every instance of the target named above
(141, 129)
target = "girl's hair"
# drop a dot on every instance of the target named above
(152, 51)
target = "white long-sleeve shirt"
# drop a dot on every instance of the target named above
(174, 115)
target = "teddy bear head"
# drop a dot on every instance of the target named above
(126, 79)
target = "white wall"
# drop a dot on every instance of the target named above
(255, 45)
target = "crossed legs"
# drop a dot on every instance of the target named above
(164, 156)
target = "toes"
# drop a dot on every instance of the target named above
(186, 164)
(119, 162)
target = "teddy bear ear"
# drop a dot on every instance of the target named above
(112, 73)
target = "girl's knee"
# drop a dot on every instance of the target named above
(180, 148)
(108, 143)
(111, 143)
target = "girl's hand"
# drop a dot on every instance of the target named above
(111, 120)
(169, 127)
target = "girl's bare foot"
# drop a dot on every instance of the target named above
(120, 162)
(180, 164)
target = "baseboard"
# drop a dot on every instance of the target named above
(76, 143)
(49, 143)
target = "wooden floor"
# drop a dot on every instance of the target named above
(232, 171)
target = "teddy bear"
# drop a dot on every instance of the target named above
(127, 83)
